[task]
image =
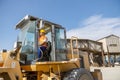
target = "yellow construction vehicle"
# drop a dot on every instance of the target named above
(21, 62)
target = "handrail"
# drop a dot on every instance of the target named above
(76, 43)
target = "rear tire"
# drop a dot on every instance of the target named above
(78, 74)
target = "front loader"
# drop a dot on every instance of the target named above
(22, 62)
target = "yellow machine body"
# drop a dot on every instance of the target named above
(20, 63)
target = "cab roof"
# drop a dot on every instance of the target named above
(28, 18)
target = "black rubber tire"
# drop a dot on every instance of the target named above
(78, 74)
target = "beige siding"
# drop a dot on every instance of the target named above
(113, 44)
(104, 44)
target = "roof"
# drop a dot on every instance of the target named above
(88, 40)
(28, 18)
(108, 37)
(25, 20)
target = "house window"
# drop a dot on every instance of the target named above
(114, 45)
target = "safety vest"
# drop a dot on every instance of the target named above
(43, 41)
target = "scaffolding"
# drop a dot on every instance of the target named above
(94, 50)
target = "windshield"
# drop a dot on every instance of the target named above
(60, 42)
(27, 37)
(60, 39)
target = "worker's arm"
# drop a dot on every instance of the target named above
(43, 41)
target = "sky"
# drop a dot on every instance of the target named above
(89, 19)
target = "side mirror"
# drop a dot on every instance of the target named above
(17, 45)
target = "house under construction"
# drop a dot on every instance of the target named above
(111, 46)
(93, 49)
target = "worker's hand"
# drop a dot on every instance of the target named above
(40, 44)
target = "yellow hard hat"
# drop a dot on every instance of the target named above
(42, 30)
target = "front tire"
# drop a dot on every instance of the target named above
(78, 74)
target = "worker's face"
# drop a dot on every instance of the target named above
(41, 33)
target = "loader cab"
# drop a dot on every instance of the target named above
(29, 33)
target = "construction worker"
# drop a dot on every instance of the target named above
(42, 42)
